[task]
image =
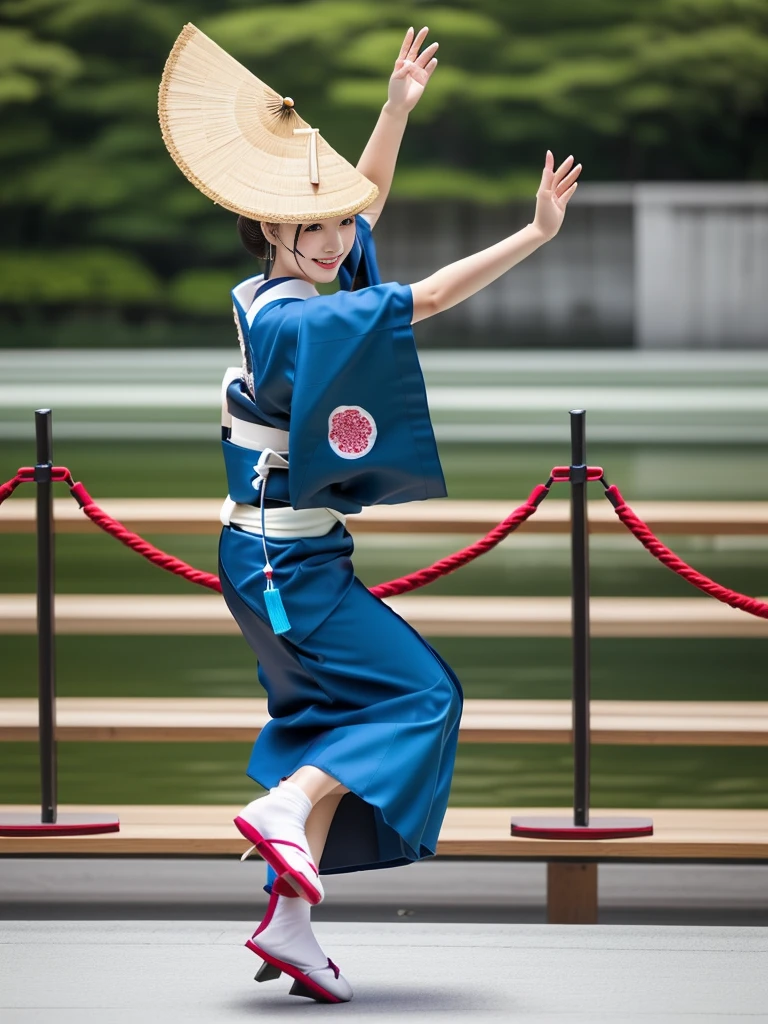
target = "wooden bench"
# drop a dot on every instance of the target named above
(699, 836)
(572, 891)
(207, 614)
(239, 720)
(201, 516)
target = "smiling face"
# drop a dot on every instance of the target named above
(320, 250)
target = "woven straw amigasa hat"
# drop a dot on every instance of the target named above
(244, 146)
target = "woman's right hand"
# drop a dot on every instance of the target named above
(556, 188)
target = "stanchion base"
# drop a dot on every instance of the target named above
(564, 828)
(65, 825)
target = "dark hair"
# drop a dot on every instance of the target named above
(256, 243)
(252, 237)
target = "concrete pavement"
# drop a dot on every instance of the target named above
(195, 972)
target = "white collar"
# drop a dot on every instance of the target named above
(292, 288)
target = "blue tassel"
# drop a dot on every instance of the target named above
(275, 609)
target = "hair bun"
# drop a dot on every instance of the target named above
(252, 237)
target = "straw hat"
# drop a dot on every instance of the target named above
(244, 146)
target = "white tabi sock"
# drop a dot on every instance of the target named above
(281, 814)
(289, 936)
(296, 797)
(286, 810)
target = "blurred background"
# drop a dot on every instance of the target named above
(649, 310)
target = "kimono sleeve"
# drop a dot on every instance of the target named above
(360, 430)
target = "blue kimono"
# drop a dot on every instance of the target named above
(352, 688)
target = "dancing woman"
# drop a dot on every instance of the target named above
(327, 414)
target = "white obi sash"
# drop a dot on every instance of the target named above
(284, 522)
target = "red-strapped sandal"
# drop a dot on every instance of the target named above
(292, 862)
(325, 983)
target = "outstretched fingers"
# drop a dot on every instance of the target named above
(559, 181)
(548, 172)
(413, 51)
(406, 45)
(424, 58)
(421, 69)
(422, 75)
(562, 200)
(411, 62)
(568, 180)
(561, 171)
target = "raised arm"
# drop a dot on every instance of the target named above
(406, 86)
(457, 281)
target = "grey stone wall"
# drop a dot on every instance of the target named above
(647, 266)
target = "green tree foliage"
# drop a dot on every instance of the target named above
(93, 277)
(663, 89)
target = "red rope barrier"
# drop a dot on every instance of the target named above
(413, 581)
(667, 557)
(142, 547)
(7, 489)
(26, 475)
(422, 577)
(399, 586)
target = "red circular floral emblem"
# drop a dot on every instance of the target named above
(351, 431)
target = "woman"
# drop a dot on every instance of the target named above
(329, 414)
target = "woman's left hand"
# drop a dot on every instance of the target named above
(412, 71)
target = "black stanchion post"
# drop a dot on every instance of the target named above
(46, 655)
(579, 826)
(50, 822)
(580, 605)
